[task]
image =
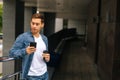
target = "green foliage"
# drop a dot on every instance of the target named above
(1, 12)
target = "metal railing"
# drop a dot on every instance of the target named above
(13, 76)
(5, 59)
(16, 76)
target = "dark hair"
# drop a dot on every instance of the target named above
(39, 16)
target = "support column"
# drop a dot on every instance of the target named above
(13, 25)
(8, 32)
(28, 14)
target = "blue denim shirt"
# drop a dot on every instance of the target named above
(18, 50)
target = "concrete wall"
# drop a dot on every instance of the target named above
(13, 23)
(78, 24)
(107, 40)
(9, 32)
(27, 18)
(1, 51)
(72, 23)
(58, 24)
(107, 55)
(92, 29)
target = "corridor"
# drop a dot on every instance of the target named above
(75, 63)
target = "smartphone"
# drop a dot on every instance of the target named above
(33, 44)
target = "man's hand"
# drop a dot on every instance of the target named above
(30, 50)
(46, 56)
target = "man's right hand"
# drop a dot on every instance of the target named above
(30, 50)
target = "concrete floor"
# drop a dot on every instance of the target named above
(75, 63)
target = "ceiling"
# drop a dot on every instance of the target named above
(73, 7)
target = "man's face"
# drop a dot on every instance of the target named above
(36, 25)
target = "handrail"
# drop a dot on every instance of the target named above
(17, 74)
(10, 75)
(5, 59)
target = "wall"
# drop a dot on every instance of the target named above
(92, 29)
(27, 14)
(107, 39)
(9, 32)
(72, 23)
(116, 67)
(78, 24)
(107, 57)
(58, 24)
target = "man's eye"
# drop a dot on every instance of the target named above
(37, 24)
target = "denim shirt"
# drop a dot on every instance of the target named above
(18, 50)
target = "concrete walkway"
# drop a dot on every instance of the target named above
(75, 63)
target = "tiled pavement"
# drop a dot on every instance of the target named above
(75, 63)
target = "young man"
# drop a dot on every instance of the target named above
(33, 58)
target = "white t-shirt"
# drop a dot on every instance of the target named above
(38, 65)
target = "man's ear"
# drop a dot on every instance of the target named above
(42, 25)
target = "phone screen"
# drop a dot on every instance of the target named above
(33, 44)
